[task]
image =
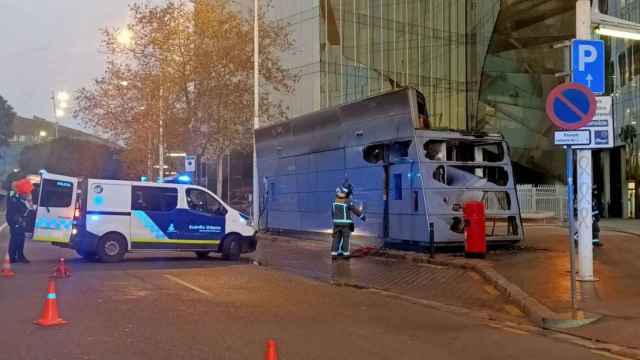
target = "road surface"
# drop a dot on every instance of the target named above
(172, 306)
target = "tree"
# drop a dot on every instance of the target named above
(7, 117)
(72, 157)
(190, 64)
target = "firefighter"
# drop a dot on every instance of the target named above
(595, 213)
(343, 225)
(19, 208)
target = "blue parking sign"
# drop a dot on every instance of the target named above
(587, 64)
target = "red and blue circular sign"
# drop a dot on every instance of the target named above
(571, 106)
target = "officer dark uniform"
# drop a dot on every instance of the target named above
(18, 214)
(343, 226)
(595, 213)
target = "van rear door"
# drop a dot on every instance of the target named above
(56, 208)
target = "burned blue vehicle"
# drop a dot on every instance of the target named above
(407, 175)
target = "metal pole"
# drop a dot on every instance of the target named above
(585, 169)
(55, 112)
(570, 215)
(256, 114)
(228, 176)
(161, 150)
(432, 241)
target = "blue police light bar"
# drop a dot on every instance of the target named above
(185, 179)
(144, 178)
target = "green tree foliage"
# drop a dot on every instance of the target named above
(72, 157)
(7, 116)
(190, 63)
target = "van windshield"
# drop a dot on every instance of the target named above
(200, 200)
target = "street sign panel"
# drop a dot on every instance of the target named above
(587, 64)
(601, 127)
(572, 137)
(571, 106)
(190, 163)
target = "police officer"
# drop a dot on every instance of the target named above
(343, 225)
(19, 208)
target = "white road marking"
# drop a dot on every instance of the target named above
(184, 283)
(3, 226)
(511, 330)
(610, 355)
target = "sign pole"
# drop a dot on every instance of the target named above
(585, 171)
(570, 215)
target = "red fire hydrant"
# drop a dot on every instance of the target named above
(475, 242)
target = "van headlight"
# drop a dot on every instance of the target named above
(244, 218)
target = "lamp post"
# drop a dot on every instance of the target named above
(60, 103)
(256, 114)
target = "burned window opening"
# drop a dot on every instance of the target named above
(469, 176)
(463, 151)
(435, 150)
(377, 153)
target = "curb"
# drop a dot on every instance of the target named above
(537, 313)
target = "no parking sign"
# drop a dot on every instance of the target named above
(571, 106)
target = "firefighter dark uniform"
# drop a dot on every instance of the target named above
(18, 214)
(343, 226)
(595, 229)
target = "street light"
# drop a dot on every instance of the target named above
(612, 26)
(177, 154)
(125, 37)
(60, 103)
(42, 133)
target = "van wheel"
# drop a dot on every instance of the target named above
(231, 248)
(202, 254)
(111, 248)
(87, 255)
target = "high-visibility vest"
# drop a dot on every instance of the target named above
(342, 213)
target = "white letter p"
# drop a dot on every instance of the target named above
(586, 54)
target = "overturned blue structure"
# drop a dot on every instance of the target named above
(406, 175)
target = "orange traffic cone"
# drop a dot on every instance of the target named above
(272, 351)
(6, 267)
(61, 271)
(50, 316)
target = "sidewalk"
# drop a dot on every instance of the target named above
(438, 284)
(539, 266)
(541, 269)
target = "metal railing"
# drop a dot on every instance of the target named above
(543, 199)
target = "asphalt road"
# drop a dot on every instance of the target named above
(172, 306)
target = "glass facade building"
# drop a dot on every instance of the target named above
(482, 64)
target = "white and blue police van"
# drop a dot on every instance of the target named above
(105, 219)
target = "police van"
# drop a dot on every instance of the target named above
(105, 219)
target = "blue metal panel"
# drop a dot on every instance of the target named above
(329, 160)
(366, 179)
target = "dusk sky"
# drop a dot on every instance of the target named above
(52, 45)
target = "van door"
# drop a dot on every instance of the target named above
(56, 208)
(204, 220)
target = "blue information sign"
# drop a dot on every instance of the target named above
(587, 64)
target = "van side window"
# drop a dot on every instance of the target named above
(199, 200)
(56, 193)
(148, 198)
